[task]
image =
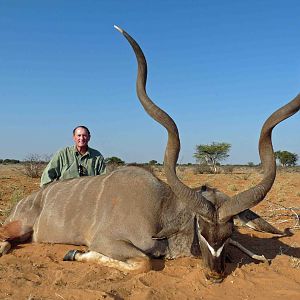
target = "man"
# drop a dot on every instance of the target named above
(75, 161)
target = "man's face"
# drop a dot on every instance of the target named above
(81, 137)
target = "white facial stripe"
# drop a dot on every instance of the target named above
(211, 249)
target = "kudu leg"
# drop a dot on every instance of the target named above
(126, 258)
(13, 233)
(248, 252)
(4, 247)
(252, 220)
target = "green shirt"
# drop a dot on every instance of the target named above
(65, 164)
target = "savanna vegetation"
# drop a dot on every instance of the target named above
(37, 271)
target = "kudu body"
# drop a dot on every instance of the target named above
(129, 215)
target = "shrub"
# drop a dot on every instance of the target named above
(228, 169)
(10, 161)
(203, 169)
(33, 165)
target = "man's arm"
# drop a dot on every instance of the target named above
(52, 171)
(101, 166)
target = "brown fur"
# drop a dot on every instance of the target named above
(15, 231)
(10, 231)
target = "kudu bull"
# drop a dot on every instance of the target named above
(129, 216)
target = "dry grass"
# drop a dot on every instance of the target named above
(14, 185)
(30, 271)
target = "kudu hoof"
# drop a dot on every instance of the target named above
(70, 256)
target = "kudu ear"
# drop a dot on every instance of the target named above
(179, 223)
(252, 220)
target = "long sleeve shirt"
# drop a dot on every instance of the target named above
(69, 163)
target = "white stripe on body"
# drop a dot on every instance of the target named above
(98, 202)
(34, 200)
(35, 233)
(51, 210)
(16, 209)
(74, 221)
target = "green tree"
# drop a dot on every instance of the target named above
(10, 161)
(153, 162)
(212, 154)
(286, 158)
(114, 161)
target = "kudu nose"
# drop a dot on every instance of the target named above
(214, 277)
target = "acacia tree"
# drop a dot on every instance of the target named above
(212, 154)
(286, 158)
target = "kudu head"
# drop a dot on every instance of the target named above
(213, 210)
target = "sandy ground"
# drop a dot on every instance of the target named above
(36, 271)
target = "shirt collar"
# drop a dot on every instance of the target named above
(87, 153)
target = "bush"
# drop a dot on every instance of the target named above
(228, 169)
(203, 169)
(114, 160)
(10, 161)
(112, 163)
(33, 165)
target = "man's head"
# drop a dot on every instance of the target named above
(81, 137)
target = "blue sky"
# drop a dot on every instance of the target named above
(219, 68)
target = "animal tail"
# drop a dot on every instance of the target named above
(15, 230)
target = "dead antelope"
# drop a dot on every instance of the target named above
(129, 216)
